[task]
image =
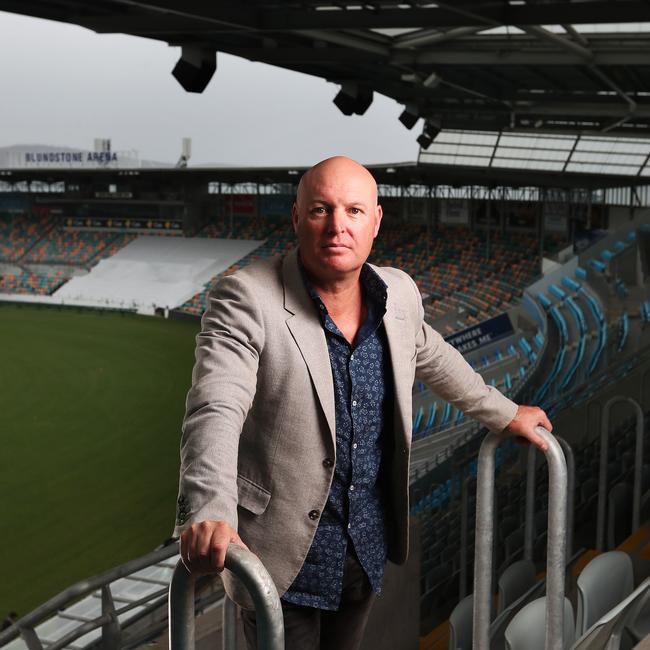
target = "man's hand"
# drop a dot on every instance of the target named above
(525, 421)
(204, 545)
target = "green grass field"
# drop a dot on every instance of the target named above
(91, 406)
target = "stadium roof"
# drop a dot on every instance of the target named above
(546, 90)
(539, 65)
(547, 152)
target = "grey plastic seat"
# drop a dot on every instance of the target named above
(527, 630)
(602, 584)
(606, 633)
(500, 624)
(460, 624)
(514, 582)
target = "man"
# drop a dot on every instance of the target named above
(297, 432)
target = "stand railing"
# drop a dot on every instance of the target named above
(602, 477)
(556, 549)
(250, 570)
(529, 525)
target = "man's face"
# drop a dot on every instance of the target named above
(336, 218)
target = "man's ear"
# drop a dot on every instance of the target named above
(379, 213)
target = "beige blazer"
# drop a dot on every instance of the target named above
(259, 429)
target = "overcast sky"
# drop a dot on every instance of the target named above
(63, 85)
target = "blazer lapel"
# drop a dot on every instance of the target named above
(402, 350)
(307, 332)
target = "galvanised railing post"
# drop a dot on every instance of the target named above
(250, 570)
(602, 476)
(529, 523)
(530, 498)
(229, 629)
(556, 558)
(571, 486)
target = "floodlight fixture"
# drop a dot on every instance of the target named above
(353, 99)
(428, 135)
(195, 68)
(409, 116)
(431, 81)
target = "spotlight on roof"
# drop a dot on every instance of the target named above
(195, 68)
(352, 99)
(428, 135)
(431, 81)
(409, 116)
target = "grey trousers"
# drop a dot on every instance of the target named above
(307, 628)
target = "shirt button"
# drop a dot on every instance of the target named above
(313, 514)
(354, 402)
(328, 462)
(354, 445)
(351, 357)
(351, 488)
(349, 526)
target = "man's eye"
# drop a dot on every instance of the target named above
(355, 211)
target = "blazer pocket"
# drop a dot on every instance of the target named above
(252, 497)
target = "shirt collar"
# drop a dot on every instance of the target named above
(374, 288)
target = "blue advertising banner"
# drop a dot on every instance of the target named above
(482, 334)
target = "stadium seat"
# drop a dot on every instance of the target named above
(527, 630)
(514, 582)
(603, 583)
(606, 633)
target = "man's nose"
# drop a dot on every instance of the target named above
(337, 220)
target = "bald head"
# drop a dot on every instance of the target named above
(336, 169)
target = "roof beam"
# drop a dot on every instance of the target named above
(480, 55)
(451, 15)
(433, 36)
(239, 16)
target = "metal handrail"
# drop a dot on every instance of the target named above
(530, 497)
(557, 521)
(571, 488)
(250, 570)
(24, 626)
(602, 477)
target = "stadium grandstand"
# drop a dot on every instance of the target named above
(525, 223)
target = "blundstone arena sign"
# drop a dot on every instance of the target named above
(102, 157)
(42, 156)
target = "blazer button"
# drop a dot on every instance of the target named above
(328, 462)
(314, 514)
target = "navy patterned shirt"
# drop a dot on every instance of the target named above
(354, 512)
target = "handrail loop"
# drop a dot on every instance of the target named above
(602, 475)
(556, 542)
(529, 532)
(250, 570)
(571, 487)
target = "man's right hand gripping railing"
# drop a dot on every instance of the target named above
(250, 570)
